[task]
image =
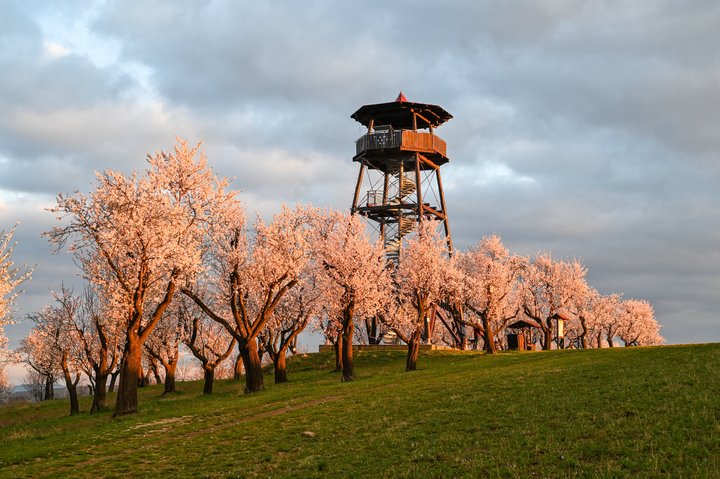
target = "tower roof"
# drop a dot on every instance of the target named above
(399, 114)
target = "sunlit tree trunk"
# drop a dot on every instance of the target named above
(583, 335)
(130, 371)
(170, 367)
(413, 351)
(337, 346)
(547, 334)
(253, 366)
(238, 369)
(280, 367)
(347, 345)
(488, 335)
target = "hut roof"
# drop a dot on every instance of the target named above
(524, 323)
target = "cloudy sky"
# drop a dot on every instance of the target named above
(588, 128)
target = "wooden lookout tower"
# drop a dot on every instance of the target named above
(399, 180)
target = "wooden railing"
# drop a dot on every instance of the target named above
(402, 139)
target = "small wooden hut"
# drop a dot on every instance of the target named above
(519, 334)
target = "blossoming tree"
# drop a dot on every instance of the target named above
(551, 287)
(138, 236)
(638, 326)
(100, 341)
(491, 291)
(163, 346)
(10, 278)
(53, 343)
(354, 277)
(297, 308)
(248, 277)
(422, 280)
(594, 312)
(208, 340)
(36, 352)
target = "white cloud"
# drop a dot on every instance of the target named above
(55, 50)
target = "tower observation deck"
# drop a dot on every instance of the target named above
(399, 181)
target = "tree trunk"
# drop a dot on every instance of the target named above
(464, 337)
(238, 371)
(413, 351)
(280, 368)
(209, 377)
(610, 342)
(113, 380)
(72, 389)
(100, 393)
(477, 334)
(142, 379)
(156, 373)
(253, 366)
(347, 352)
(488, 335)
(261, 350)
(337, 346)
(49, 388)
(371, 326)
(583, 335)
(72, 392)
(547, 337)
(130, 371)
(169, 377)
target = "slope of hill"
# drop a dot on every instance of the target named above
(633, 412)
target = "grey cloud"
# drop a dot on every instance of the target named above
(33, 251)
(51, 105)
(588, 128)
(260, 52)
(35, 79)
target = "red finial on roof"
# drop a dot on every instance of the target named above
(401, 98)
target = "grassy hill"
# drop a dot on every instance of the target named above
(635, 412)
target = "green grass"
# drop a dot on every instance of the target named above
(635, 412)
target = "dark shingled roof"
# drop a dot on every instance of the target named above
(524, 323)
(399, 114)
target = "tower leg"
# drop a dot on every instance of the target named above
(386, 187)
(418, 188)
(357, 188)
(446, 223)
